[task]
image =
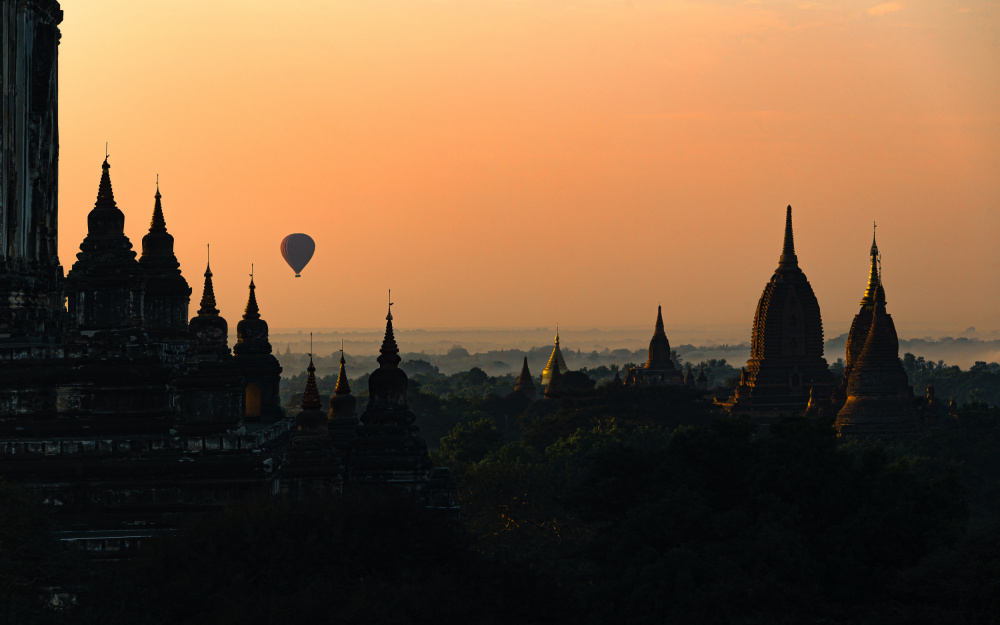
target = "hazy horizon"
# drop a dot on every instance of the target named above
(362, 344)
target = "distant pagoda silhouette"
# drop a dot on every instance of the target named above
(525, 385)
(659, 369)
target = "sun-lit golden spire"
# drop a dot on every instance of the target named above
(555, 357)
(874, 279)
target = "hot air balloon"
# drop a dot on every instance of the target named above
(297, 249)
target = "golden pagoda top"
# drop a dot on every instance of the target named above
(874, 276)
(555, 357)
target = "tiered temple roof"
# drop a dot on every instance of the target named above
(786, 347)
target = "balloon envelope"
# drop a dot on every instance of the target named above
(297, 249)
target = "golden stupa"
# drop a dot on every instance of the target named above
(555, 357)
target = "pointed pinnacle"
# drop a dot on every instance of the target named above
(788, 260)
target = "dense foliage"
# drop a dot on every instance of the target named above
(600, 505)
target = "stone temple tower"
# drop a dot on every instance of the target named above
(258, 366)
(167, 294)
(105, 285)
(786, 349)
(30, 272)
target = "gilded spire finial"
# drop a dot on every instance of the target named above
(874, 274)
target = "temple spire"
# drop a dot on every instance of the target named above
(105, 196)
(659, 346)
(310, 398)
(342, 388)
(208, 295)
(874, 279)
(158, 244)
(556, 356)
(252, 310)
(524, 382)
(389, 352)
(158, 223)
(788, 260)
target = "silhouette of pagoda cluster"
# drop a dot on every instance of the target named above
(116, 408)
(787, 374)
(382, 448)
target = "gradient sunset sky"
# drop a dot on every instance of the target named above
(522, 163)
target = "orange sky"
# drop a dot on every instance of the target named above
(522, 163)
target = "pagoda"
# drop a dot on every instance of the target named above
(104, 289)
(786, 345)
(166, 293)
(880, 401)
(311, 467)
(555, 358)
(659, 369)
(254, 361)
(525, 385)
(343, 416)
(388, 450)
(210, 392)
